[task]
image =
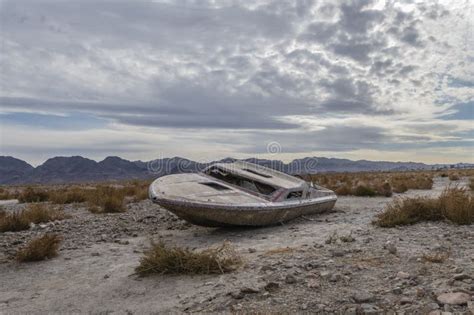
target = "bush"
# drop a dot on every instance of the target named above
(422, 183)
(5, 194)
(362, 190)
(343, 191)
(400, 187)
(471, 183)
(40, 248)
(101, 198)
(106, 200)
(385, 190)
(13, 222)
(113, 204)
(32, 195)
(34, 213)
(67, 196)
(457, 205)
(454, 204)
(408, 211)
(138, 190)
(454, 177)
(40, 213)
(175, 260)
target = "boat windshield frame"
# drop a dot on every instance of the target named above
(245, 183)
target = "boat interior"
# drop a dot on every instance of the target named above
(262, 183)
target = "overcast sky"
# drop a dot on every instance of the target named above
(380, 80)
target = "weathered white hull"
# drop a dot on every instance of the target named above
(239, 193)
(244, 215)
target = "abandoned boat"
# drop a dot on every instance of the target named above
(239, 193)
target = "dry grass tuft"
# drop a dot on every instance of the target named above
(30, 194)
(161, 259)
(457, 205)
(105, 199)
(136, 189)
(364, 191)
(400, 187)
(334, 238)
(454, 204)
(34, 213)
(435, 257)
(40, 213)
(385, 190)
(13, 222)
(347, 238)
(375, 183)
(454, 177)
(343, 190)
(101, 198)
(67, 196)
(40, 248)
(6, 194)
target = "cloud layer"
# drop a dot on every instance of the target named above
(206, 79)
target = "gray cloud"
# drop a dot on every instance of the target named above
(232, 65)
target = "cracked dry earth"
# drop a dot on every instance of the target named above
(303, 266)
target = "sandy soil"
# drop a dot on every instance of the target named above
(380, 270)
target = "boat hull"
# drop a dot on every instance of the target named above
(213, 215)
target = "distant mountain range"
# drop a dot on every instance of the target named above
(79, 169)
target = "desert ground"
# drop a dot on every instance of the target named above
(337, 262)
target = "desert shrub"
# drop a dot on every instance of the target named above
(67, 196)
(384, 190)
(457, 205)
(454, 177)
(113, 204)
(105, 199)
(34, 213)
(40, 213)
(13, 222)
(5, 194)
(176, 260)
(454, 204)
(362, 190)
(30, 194)
(421, 183)
(141, 194)
(136, 189)
(400, 187)
(409, 211)
(471, 183)
(382, 183)
(344, 190)
(443, 175)
(40, 248)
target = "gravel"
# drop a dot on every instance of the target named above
(287, 268)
